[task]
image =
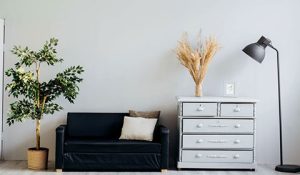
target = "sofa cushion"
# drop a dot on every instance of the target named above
(102, 125)
(145, 114)
(93, 145)
(138, 128)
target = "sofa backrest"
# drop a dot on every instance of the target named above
(102, 125)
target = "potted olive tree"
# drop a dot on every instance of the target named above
(36, 98)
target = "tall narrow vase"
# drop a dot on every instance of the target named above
(198, 90)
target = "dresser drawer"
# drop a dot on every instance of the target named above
(218, 156)
(218, 141)
(218, 126)
(199, 109)
(240, 110)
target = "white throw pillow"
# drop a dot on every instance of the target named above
(138, 128)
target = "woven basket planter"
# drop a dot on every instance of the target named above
(37, 159)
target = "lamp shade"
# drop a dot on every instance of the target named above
(257, 50)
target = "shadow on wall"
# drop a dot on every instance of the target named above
(234, 61)
(170, 120)
(48, 132)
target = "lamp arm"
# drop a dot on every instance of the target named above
(270, 45)
(279, 102)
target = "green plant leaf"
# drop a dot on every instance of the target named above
(36, 98)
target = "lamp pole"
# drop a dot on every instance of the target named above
(279, 103)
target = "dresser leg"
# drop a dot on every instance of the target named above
(164, 170)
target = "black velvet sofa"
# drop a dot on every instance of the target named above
(90, 142)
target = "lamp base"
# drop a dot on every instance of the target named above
(288, 168)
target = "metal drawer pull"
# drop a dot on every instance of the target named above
(236, 156)
(218, 126)
(218, 141)
(201, 108)
(199, 141)
(237, 109)
(200, 125)
(237, 126)
(217, 156)
(237, 141)
(198, 155)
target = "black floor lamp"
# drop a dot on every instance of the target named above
(257, 52)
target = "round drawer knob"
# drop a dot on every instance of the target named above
(200, 108)
(200, 125)
(237, 109)
(237, 126)
(236, 156)
(198, 155)
(199, 141)
(237, 141)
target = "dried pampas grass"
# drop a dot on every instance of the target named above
(197, 59)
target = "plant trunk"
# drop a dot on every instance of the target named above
(38, 134)
(198, 90)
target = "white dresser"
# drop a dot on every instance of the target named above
(216, 132)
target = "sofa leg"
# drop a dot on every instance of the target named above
(58, 170)
(164, 170)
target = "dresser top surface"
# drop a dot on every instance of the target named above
(217, 99)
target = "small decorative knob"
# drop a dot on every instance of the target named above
(237, 125)
(199, 141)
(237, 109)
(236, 156)
(198, 155)
(237, 141)
(200, 108)
(200, 125)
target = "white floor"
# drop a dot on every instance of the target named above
(20, 168)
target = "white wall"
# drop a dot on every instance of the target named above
(126, 48)
(1, 73)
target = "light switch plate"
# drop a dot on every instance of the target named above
(229, 88)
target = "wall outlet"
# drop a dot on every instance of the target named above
(229, 89)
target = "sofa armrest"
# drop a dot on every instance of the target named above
(59, 151)
(162, 136)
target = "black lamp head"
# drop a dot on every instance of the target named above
(257, 50)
